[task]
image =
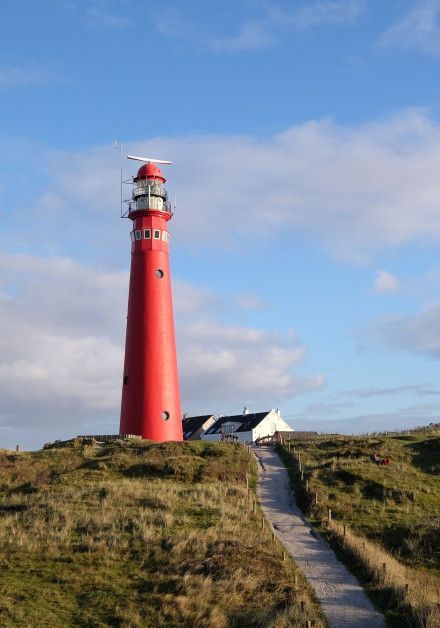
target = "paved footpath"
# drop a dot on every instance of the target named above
(343, 600)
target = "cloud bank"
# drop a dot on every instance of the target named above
(417, 333)
(14, 76)
(418, 30)
(354, 190)
(61, 357)
(264, 28)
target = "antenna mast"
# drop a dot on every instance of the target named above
(118, 146)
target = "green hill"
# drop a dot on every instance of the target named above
(393, 506)
(140, 534)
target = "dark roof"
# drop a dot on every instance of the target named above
(191, 424)
(247, 422)
(217, 425)
(251, 421)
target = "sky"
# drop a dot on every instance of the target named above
(305, 140)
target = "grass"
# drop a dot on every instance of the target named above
(391, 513)
(141, 534)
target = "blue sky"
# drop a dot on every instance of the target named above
(305, 138)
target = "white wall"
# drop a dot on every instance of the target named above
(272, 423)
(234, 425)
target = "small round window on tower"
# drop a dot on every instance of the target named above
(165, 415)
(159, 273)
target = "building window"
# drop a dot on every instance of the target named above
(147, 234)
(159, 273)
(125, 380)
(138, 234)
(164, 236)
(156, 234)
(165, 415)
(229, 428)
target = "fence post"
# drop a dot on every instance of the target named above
(284, 556)
(253, 506)
(345, 530)
(17, 448)
(262, 523)
(316, 499)
(329, 515)
(307, 486)
(302, 476)
(247, 482)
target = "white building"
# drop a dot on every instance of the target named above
(246, 428)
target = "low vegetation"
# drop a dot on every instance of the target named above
(140, 534)
(385, 518)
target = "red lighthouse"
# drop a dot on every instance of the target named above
(150, 391)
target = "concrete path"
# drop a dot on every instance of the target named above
(343, 600)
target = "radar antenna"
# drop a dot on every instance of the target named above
(150, 160)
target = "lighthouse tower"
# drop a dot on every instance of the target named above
(150, 391)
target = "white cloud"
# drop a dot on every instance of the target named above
(98, 15)
(170, 21)
(326, 407)
(406, 418)
(421, 390)
(13, 76)
(417, 30)
(355, 190)
(61, 357)
(336, 12)
(386, 282)
(248, 301)
(190, 300)
(417, 333)
(229, 364)
(252, 35)
(344, 411)
(62, 352)
(264, 28)
(264, 32)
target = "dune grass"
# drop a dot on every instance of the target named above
(141, 534)
(391, 512)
